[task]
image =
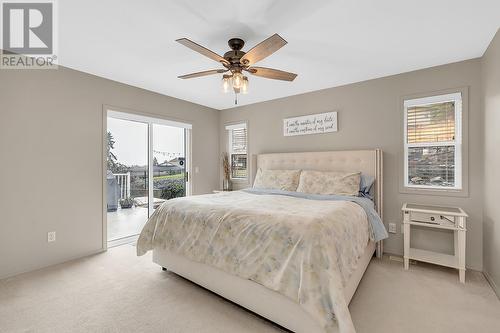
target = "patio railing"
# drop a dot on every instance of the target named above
(123, 180)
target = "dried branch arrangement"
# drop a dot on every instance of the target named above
(226, 166)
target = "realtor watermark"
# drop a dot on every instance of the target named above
(29, 34)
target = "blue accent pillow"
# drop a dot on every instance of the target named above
(365, 185)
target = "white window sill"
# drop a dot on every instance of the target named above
(239, 181)
(435, 191)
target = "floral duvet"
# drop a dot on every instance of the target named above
(302, 248)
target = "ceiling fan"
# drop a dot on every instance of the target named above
(236, 62)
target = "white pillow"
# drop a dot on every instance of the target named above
(329, 182)
(286, 180)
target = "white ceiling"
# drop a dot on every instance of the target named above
(330, 43)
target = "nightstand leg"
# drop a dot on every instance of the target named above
(461, 275)
(406, 227)
(455, 238)
(461, 255)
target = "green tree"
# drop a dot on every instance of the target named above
(112, 160)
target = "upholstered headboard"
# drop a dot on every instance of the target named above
(368, 162)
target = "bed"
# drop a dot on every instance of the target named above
(289, 303)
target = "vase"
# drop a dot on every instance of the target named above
(226, 185)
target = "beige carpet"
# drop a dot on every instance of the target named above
(118, 292)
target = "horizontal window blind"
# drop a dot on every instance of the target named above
(238, 140)
(431, 123)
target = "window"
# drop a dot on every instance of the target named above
(433, 142)
(238, 150)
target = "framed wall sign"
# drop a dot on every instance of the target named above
(310, 124)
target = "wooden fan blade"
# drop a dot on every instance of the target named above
(204, 73)
(263, 50)
(202, 50)
(270, 73)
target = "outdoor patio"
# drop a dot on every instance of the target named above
(126, 222)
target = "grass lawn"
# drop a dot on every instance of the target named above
(177, 176)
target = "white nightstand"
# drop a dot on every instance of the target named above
(449, 218)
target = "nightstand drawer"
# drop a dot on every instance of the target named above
(424, 217)
(432, 218)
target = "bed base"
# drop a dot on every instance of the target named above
(253, 296)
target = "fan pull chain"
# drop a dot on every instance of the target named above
(235, 99)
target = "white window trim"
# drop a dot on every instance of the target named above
(229, 128)
(147, 119)
(236, 126)
(457, 97)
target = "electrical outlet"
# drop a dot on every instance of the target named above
(51, 236)
(392, 228)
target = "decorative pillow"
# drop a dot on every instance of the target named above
(329, 182)
(286, 180)
(365, 186)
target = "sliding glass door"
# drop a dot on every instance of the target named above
(147, 164)
(127, 183)
(169, 163)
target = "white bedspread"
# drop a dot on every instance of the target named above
(303, 249)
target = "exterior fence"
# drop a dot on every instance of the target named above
(123, 180)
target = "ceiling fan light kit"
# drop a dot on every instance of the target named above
(236, 82)
(236, 61)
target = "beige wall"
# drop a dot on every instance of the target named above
(370, 116)
(51, 165)
(491, 90)
(50, 151)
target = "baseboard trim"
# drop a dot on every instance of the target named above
(492, 283)
(29, 270)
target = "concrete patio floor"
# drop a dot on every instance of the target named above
(126, 222)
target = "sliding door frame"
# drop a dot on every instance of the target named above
(149, 119)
